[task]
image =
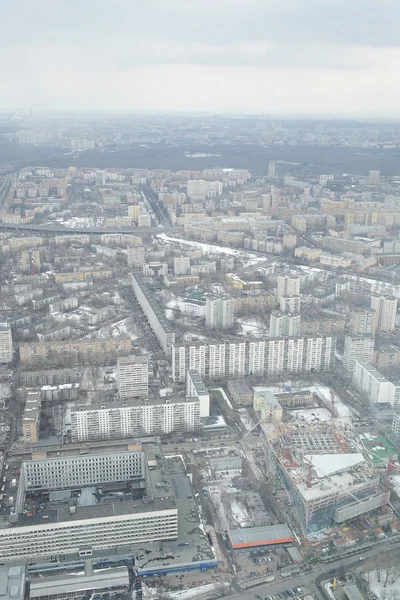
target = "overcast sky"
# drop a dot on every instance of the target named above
(298, 56)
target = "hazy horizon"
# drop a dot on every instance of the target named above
(226, 56)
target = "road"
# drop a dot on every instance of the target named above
(311, 579)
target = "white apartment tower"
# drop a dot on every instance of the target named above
(181, 265)
(219, 312)
(133, 376)
(288, 286)
(386, 310)
(6, 344)
(284, 324)
(136, 256)
(357, 347)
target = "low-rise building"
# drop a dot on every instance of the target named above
(240, 391)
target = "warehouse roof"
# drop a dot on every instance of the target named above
(260, 536)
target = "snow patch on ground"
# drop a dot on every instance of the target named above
(246, 419)
(392, 587)
(311, 414)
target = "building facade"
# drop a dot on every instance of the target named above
(219, 312)
(117, 421)
(6, 343)
(133, 376)
(386, 309)
(357, 347)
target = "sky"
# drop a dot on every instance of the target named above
(249, 56)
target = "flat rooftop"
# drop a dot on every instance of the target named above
(260, 536)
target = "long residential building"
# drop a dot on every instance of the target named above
(155, 314)
(368, 380)
(73, 350)
(254, 357)
(6, 343)
(130, 419)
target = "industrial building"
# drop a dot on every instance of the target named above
(105, 505)
(253, 537)
(328, 481)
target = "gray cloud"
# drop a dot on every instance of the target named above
(90, 52)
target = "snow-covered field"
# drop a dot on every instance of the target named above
(82, 222)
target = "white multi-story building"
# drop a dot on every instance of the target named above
(193, 307)
(201, 189)
(6, 343)
(136, 255)
(195, 388)
(290, 304)
(288, 286)
(284, 324)
(219, 312)
(133, 376)
(181, 265)
(254, 357)
(87, 470)
(357, 347)
(368, 380)
(386, 309)
(117, 421)
(271, 169)
(396, 426)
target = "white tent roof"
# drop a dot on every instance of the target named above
(328, 464)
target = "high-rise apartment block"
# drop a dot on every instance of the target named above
(290, 304)
(369, 381)
(6, 344)
(271, 169)
(134, 419)
(357, 347)
(201, 189)
(181, 265)
(254, 357)
(136, 255)
(363, 321)
(266, 202)
(288, 286)
(219, 312)
(284, 324)
(386, 310)
(133, 376)
(195, 388)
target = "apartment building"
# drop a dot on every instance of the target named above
(133, 376)
(254, 357)
(31, 418)
(369, 381)
(363, 321)
(195, 388)
(64, 305)
(357, 347)
(6, 343)
(136, 255)
(130, 419)
(290, 304)
(396, 426)
(219, 312)
(288, 286)
(324, 325)
(181, 265)
(284, 324)
(155, 314)
(74, 350)
(386, 309)
(82, 276)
